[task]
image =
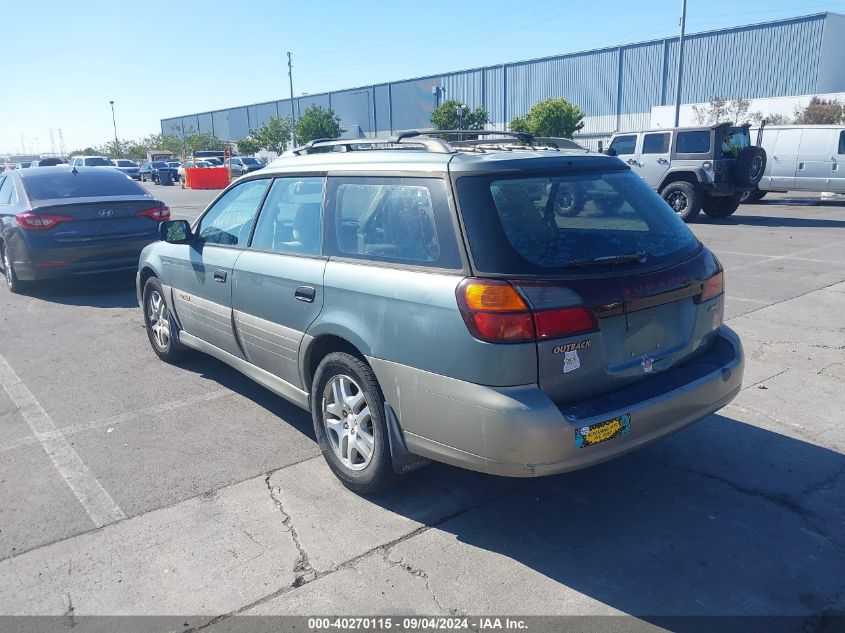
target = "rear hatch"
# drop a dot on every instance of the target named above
(605, 243)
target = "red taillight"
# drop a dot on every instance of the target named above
(39, 222)
(564, 322)
(494, 311)
(159, 214)
(713, 287)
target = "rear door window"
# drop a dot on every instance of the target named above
(693, 142)
(656, 143)
(5, 190)
(405, 220)
(551, 223)
(625, 144)
(291, 217)
(841, 150)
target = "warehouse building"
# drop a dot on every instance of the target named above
(778, 65)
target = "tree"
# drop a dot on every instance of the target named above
(821, 112)
(553, 117)
(273, 136)
(248, 146)
(317, 122)
(721, 110)
(446, 117)
(778, 119)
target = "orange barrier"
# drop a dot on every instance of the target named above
(207, 178)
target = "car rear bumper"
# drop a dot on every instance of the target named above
(520, 432)
(74, 260)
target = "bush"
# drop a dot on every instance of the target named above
(821, 112)
(445, 117)
(553, 117)
(317, 122)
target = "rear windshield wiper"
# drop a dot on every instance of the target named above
(639, 257)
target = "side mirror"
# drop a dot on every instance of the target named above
(611, 151)
(175, 232)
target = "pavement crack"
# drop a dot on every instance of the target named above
(419, 573)
(302, 569)
(68, 616)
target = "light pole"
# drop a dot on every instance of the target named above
(114, 124)
(461, 111)
(292, 115)
(679, 71)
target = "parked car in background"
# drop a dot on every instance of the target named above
(47, 162)
(241, 165)
(90, 161)
(65, 221)
(151, 171)
(802, 158)
(25, 164)
(128, 167)
(524, 342)
(694, 168)
(190, 164)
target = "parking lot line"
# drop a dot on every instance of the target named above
(120, 418)
(788, 256)
(97, 502)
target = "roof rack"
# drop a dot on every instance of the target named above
(404, 138)
(525, 137)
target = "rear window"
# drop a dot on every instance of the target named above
(98, 162)
(248, 160)
(159, 164)
(81, 185)
(694, 142)
(734, 140)
(539, 225)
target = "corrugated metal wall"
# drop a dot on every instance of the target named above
(616, 87)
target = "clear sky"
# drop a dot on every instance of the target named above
(64, 61)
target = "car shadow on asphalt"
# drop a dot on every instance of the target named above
(772, 221)
(220, 373)
(724, 518)
(109, 290)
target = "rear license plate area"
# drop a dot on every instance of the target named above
(602, 431)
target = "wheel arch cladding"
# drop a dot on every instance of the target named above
(673, 176)
(321, 346)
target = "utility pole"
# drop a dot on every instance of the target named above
(114, 124)
(61, 143)
(680, 73)
(292, 115)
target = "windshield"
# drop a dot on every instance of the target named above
(125, 163)
(101, 182)
(158, 164)
(249, 160)
(213, 161)
(538, 225)
(98, 162)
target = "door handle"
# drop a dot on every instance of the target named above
(800, 166)
(305, 294)
(631, 161)
(662, 161)
(220, 275)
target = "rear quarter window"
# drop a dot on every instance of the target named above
(693, 142)
(402, 220)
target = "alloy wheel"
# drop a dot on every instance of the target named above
(157, 318)
(678, 201)
(7, 268)
(348, 422)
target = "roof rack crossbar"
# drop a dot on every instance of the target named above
(430, 144)
(525, 137)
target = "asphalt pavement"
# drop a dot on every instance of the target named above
(129, 486)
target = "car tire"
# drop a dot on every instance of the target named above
(12, 282)
(683, 198)
(159, 322)
(719, 207)
(344, 420)
(569, 201)
(750, 166)
(750, 197)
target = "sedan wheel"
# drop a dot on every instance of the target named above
(9, 272)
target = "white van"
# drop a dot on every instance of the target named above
(803, 158)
